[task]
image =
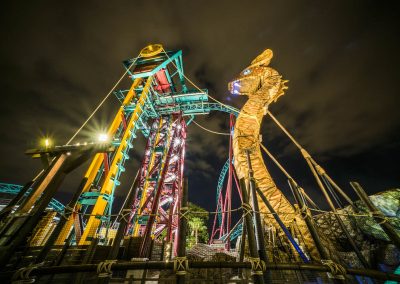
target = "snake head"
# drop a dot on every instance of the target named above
(249, 80)
(259, 80)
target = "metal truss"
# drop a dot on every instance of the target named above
(14, 189)
(154, 210)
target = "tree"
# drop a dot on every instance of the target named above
(197, 222)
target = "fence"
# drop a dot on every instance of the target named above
(191, 272)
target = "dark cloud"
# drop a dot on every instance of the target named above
(59, 60)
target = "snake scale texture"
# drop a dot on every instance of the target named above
(263, 86)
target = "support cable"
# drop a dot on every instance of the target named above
(308, 199)
(289, 177)
(284, 130)
(214, 99)
(317, 173)
(308, 157)
(121, 211)
(332, 192)
(211, 131)
(104, 99)
(276, 162)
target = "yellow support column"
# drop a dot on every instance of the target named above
(100, 205)
(99, 158)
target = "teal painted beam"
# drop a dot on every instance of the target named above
(158, 68)
(14, 189)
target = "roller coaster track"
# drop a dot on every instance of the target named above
(187, 109)
(13, 189)
(197, 108)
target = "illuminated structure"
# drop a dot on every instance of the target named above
(263, 85)
(156, 104)
(160, 182)
(161, 106)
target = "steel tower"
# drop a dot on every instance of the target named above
(160, 105)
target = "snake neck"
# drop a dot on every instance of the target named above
(249, 121)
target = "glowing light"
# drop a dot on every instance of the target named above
(236, 84)
(68, 153)
(177, 141)
(174, 159)
(236, 92)
(47, 142)
(179, 127)
(102, 137)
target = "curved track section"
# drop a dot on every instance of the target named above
(221, 180)
(13, 189)
(198, 108)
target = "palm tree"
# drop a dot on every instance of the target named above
(196, 224)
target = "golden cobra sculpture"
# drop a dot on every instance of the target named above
(263, 85)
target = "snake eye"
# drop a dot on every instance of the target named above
(246, 72)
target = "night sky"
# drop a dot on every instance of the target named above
(58, 61)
